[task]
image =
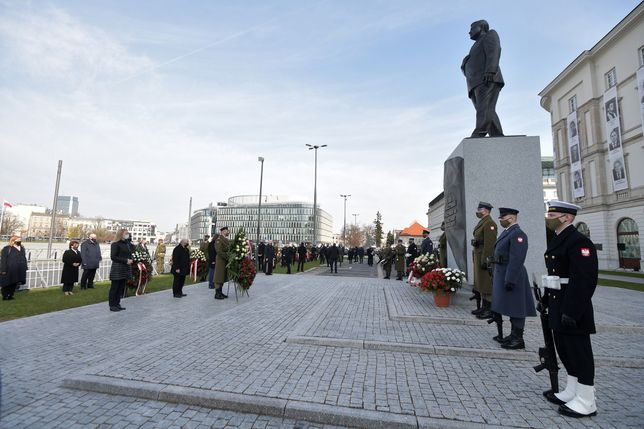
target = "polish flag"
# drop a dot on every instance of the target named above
(7, 204)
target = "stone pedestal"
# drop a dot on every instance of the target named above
(506, 172)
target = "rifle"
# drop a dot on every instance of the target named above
(547, 354)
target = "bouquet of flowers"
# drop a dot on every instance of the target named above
(141, 271)
(442, 280)
(198, 264)
(422, 265)
(241, 269)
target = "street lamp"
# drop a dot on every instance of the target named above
(315, 191)
(259, 210)
(355, 218)
(344, 228)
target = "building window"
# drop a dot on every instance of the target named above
(641, 52)
(611, 78)
(583, 228)
(572, 104)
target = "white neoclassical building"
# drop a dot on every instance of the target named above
(597, 109)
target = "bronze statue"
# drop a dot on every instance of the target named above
(484, 79)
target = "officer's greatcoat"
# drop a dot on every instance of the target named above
(400, 257)
(571, 255)
(510, 252)
(222, 245)
(483, 243)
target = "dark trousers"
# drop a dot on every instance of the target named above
(300, 265)
(576, 354)
(87, 279)
(484, 98)
(288, 267)
(261, 262)
(333, 263)
(269, 266)
(9, 290)
(177, 284)
(68, 287)
(116, 292)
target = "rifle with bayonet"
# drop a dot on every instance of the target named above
(547, 354)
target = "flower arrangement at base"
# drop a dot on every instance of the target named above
(198, 264)
(141, 271)
(421, 265)
(241, 268)
(442, 280)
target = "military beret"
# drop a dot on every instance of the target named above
(562, 207)
(503, 211)
(484, 205)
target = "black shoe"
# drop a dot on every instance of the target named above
(572, 413)
(516, 341)
(502, 340)
(177, 296)
(9, 298)
(550, 396)
(387, 277)
(183, 294)
(120, 308)
(90, 287)
(211, 287)
(478, 311)
(4, 298)
(485, 314)
(217, 296)
(114, 308)
(223, 294)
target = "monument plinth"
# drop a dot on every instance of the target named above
(504, 171)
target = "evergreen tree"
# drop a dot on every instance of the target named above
(378, 230)
(390, 238)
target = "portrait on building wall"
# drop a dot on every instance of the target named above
(574, 153)
(618, 170)
(611, 109)
(614, 140)
(577, 182)
(573, 129)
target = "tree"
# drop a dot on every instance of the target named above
(378, 229)
(390, 238)
(354, 236)
(103, 234)
(369, 234)
(10, 224)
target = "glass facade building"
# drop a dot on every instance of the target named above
(283, 220)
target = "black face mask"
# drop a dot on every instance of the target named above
(18, 243)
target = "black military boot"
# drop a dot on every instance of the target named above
(487, 312)
(218, 294)
(498, 319)
(477, 296)
(516, 340)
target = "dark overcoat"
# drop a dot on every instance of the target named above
(426, 246)
(484, 57)
(70, 272)
(120, 252)
(180, 260)
(222, 245)
(400, 251)
(511, 248)
(90, 254)
(13, 263)
(484, 234)
(573, 256)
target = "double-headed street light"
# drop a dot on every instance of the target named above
(259, 210)
(315, 191)
(344, 228)
(355, 218)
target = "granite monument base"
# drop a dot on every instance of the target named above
(506, 172)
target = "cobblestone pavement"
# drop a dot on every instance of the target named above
(303, 348)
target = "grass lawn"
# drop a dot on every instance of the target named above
(307, 266)
(38, 301)
(624, 285)
(622, 273)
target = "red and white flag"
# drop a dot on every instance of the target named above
(6, 204)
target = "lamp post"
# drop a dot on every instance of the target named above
(259, 210)
(315, 192)
(344, 228)
(355, 218)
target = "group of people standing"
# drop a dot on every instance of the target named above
(502, 288)
(401, 256)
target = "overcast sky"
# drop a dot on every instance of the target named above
(150, 102)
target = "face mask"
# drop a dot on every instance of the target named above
(18, 243)
(479, 215)
(126, 237)
(504, 223)
(552, 223)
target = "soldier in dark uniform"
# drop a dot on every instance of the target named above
(412, 251)
(512, 295)
(426, 246)
(442, 247)
(387, 260)
(261, 247)
(400, 251)
(483, 247)
(571, 260)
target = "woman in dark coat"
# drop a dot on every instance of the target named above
(13, 267)
(71, 262)
(121, 271)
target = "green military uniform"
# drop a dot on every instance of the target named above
(442, 250)
(159, 256)
(221, 246)
(387, 256)
(400, 251)
(483, 242)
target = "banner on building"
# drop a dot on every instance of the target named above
(574, 151)
(614, 137)
(640, 88)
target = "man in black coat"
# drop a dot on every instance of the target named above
(412, 251)
(361, 254)
(484, 79)
(180, 267)
(332, 255)
(260, 254)
(13, 267)
(269, 258)
(426, 246)
(571, 259)
(301, 255)
(212, 259)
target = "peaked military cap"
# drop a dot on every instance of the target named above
(503, 211)
(484, 205)
(425, 231)
(223, 228)
(562, 207)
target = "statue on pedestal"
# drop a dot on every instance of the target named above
(484, 79)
